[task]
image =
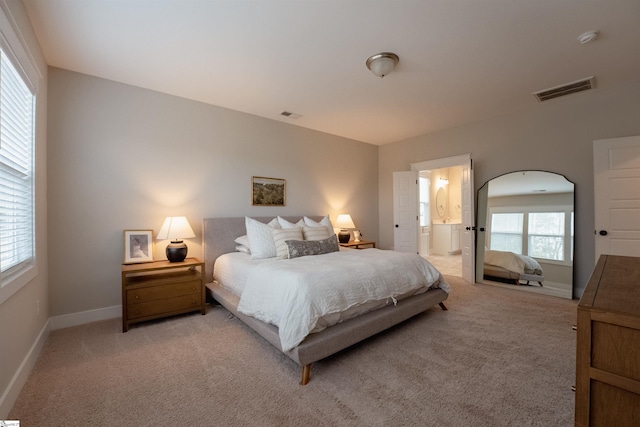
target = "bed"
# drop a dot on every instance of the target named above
(512, 268)
(219, 241)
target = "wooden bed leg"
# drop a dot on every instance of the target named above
(306, 372)
(442, 306)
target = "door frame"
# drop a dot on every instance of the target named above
(468, 226)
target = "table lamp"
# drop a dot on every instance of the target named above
(343, 222)
(176, 228)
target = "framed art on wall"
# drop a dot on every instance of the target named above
(267, 191)
(138, 246)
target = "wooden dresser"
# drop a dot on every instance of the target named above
(160, 289)
(608, 345)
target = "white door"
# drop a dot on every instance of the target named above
(405, 211)
(616, 171)
(468, 234)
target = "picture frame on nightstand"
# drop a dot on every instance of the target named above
(138, 246)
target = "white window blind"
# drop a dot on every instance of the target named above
(17, 118)
(506, 231)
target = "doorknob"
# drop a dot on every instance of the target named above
(603, 232)
(397, 226)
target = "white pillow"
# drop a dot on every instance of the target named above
(286, 224)
(280, 236)
(244, 249)
(326, 221)
(260, 238)
(315, 233)
(243, 240)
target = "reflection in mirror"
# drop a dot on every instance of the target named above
(441, 202)
(525, 233)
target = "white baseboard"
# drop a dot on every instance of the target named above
(12, 391)
(75, 319)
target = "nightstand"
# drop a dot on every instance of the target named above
(159, 289)
(357, 245)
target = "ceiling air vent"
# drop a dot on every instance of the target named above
(291, 115)
(566, 89)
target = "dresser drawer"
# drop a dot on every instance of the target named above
(612, 349)
(164, 306)
(154, 293)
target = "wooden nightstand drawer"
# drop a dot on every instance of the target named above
(164, 306)
(153, 293)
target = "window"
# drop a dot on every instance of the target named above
(17, 123)
(423, 186)
(546, 233)
(506, 232)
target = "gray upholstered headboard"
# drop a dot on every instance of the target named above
(218, 235)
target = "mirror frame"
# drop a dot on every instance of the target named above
(481, 221)
(441, 202)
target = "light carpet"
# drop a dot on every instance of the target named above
(497, 357)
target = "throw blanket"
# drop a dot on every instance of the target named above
(294, 293)
(513, 262)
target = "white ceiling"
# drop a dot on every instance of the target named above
(528, 183)
(460, 60)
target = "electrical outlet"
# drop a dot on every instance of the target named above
(37, 306)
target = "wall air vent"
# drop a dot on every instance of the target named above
(566, 89)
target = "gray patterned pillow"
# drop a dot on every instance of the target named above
(298, 248)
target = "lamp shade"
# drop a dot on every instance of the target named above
(345, 221)
(176, 228)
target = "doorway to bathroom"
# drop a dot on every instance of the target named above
(441, 218)
(445, 236)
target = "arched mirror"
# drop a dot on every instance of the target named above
(441, 202)
(525, 233)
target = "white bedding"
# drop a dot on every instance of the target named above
(294, 294)
(513, 262)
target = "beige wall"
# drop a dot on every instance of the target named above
(452, 191)
(556, 136)
(122, 157)
(20, 324)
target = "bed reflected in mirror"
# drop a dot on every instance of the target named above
(525, 233)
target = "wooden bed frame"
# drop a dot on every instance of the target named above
(218, 238)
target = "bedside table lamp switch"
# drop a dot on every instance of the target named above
(176, 228)
(344, 222)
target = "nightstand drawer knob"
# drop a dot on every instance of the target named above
(137, 296)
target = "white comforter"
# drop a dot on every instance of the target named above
(513, 262)
(294, 293)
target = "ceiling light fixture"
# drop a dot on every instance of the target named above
(382, 63)
(587, 37)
